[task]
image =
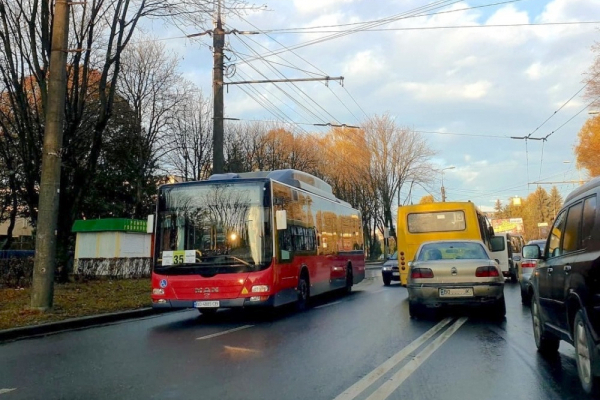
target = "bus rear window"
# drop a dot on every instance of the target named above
(441, 221)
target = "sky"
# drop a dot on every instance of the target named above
(467, 90)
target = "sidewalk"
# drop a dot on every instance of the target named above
(373, 265)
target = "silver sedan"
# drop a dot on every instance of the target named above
(527, 267)
(457, 272)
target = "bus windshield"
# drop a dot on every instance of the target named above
(213, 225)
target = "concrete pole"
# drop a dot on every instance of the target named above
(218, 113)
(45, 245)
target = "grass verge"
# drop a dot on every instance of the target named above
(74, 300)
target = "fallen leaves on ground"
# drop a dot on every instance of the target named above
(72, 300)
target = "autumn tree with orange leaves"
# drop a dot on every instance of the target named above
(100, 32)
(587, 149)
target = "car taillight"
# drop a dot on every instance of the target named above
(486, 272)
(418, 273)
(528, 264)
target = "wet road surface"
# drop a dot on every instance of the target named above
(360, 346)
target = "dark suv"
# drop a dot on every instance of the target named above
(566, 283)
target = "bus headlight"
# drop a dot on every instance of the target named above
(260, 289)
(158, 292)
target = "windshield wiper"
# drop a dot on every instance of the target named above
(214, 261)
(241, 260)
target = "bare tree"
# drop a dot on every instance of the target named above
(189, 140)
(397, 155)
(153, 88)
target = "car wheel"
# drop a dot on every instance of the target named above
(546, 343)
(499, 308)
(513, 278)
(303, 293)
(415, 310)
(585, 354)
(387, 281)
(525, 298)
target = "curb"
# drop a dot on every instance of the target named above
(73, 324)
(373, 265)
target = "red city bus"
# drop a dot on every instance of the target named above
(253, 239)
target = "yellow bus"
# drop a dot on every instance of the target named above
(437, 221)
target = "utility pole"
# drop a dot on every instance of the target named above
(443, 189)
(218, 34)
(218, 113)
(45, 244)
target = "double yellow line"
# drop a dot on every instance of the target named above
(392, 383)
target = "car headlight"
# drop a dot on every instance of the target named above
(387, 268)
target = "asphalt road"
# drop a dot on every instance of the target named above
(360, 346)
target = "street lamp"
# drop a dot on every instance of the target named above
(444, 189)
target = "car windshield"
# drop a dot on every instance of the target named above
(451, 251)
(394, 256)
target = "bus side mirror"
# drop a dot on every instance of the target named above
(150, 224)
(281, 219)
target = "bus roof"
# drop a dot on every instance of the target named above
(450, 205)
(291, 177)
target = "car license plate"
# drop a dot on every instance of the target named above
(206, 304)
(395, 273)
(461, 292)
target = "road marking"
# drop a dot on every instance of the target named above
(399, 377)
(239, 349)
(360, 386)
(224, 332)
(328, 304)
(2, 391)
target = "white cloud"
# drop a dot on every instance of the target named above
(476, 81)
(308, 6)
(447, 92)
(534, 71)
(365, 66)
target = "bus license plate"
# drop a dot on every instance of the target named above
(206, 304)
(462, 292)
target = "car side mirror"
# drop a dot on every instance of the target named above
(497, 261)
(532, 251)
(410, 264)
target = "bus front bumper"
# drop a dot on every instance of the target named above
(226, 303)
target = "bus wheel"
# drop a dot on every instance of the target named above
(349, 279)
(303, 293)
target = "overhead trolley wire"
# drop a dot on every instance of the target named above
(405, 15)
(309, 63)
(421, 28)
(292, 84)
(437, 4)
